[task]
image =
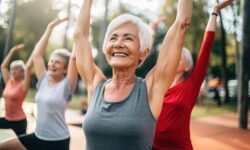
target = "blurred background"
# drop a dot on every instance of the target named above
(23, 21)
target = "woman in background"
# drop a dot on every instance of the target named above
(17, 81)
(172, 129)
(55, 88)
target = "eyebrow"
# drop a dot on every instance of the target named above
(126, 34)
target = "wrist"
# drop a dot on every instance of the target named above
(13, 50)
(215, 14)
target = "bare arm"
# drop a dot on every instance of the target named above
(87, 69)
(72, 70)
(26, 82)
(40, 48)
(6, 62)
(161, 76)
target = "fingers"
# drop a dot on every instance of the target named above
(226, 3)
(60, 20)
(18, 47)
(57, 21)
(63, 19)
(222, 5)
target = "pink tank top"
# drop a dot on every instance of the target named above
(14, 96)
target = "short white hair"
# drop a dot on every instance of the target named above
(188, 57)
(188, 61)
(64, 53)
(144, 31)
(18, 63)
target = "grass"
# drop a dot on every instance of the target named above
(209, 108)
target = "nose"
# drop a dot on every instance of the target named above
(118, 44)
(51, 63)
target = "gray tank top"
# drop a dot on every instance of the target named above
(125, 125)
(51, 105)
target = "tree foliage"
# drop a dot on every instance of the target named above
(31, 20)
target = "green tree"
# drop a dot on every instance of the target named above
(31, 20)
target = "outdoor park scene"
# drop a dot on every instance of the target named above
(124, 75)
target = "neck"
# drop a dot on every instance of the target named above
(124, 81)
(179, 77)
(17, 79)
(55, 80)
(123, 76)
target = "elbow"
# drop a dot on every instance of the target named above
(29, 66)
(2, 67)
(35, 58)
(76, 35)
(80, 34)
(183, 23)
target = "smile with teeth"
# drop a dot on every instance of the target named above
(119, 54)
(52, 69)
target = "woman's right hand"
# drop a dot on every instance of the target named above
(17, 47)
(222, 5)
(57, 21)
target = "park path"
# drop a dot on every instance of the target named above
(219, 132)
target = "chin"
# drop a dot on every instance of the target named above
(50, 74)
(118, 65)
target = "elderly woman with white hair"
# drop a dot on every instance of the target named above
(55, 88)
(17, 80)
(172, 129)
(123, 109)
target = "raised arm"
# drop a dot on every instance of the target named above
(72, 70)
(26, 82)
(200, 68)
(87, 69)
(161, 76)
(6, 62)
(40, 48)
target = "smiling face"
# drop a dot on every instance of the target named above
(57, 66)
(17, 72)
(122, 49)
(17, 68)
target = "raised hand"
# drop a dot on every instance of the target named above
(222, 5)
(155, 23)
(17, 47)
(57, 21)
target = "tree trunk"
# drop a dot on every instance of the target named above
(244, 68)
(10, 29)
(237, 44)
(224, 59)
(9, 37)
